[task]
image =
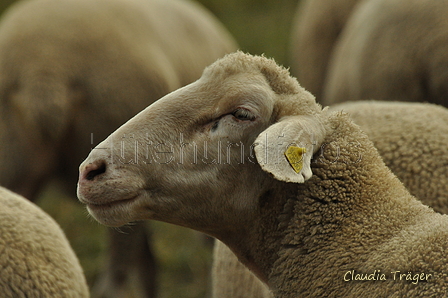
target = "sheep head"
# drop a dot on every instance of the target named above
(202, 155)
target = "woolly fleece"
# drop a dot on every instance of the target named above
(36, 259)
(391, 50)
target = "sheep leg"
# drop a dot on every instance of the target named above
(131, 267)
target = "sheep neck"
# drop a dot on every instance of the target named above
(310, 232)
(259, 234)
(340, 217)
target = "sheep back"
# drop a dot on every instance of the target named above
(411, 138)
(391, 50)
(36, 259)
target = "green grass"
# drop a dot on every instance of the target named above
(185, 258)
(259, 26)
(5, 4)
(87, 237)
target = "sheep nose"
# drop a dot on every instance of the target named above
(92, 171)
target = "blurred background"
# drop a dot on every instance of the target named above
(184, 256)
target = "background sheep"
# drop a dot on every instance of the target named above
(391, 50)
(73, 71)
(300, 226)
(231, 279)
(316, 29)
(36, 259)
(410, 137)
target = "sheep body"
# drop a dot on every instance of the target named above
(391, 50)
(36, 258)
(410, 137)
(72, 70)
(299, 229)
(316, 29)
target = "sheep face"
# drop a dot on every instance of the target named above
(193, 158)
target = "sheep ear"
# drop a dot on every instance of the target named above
(285, 149)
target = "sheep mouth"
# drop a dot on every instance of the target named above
(94, 207)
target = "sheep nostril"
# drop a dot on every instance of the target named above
(94, 170)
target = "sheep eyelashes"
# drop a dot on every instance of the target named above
(243, 114)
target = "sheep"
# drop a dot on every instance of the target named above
(391, 50)
(299, 193)
(36, 258)
(316, 28)
(73, 71)
(410, 137)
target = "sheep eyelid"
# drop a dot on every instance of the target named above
(243, 114)
(240, 114)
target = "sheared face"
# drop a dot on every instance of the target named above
(202, 156)
(186, 157)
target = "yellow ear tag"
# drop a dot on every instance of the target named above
(295, 157)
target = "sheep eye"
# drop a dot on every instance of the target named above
(215, 126)
(243, 115)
